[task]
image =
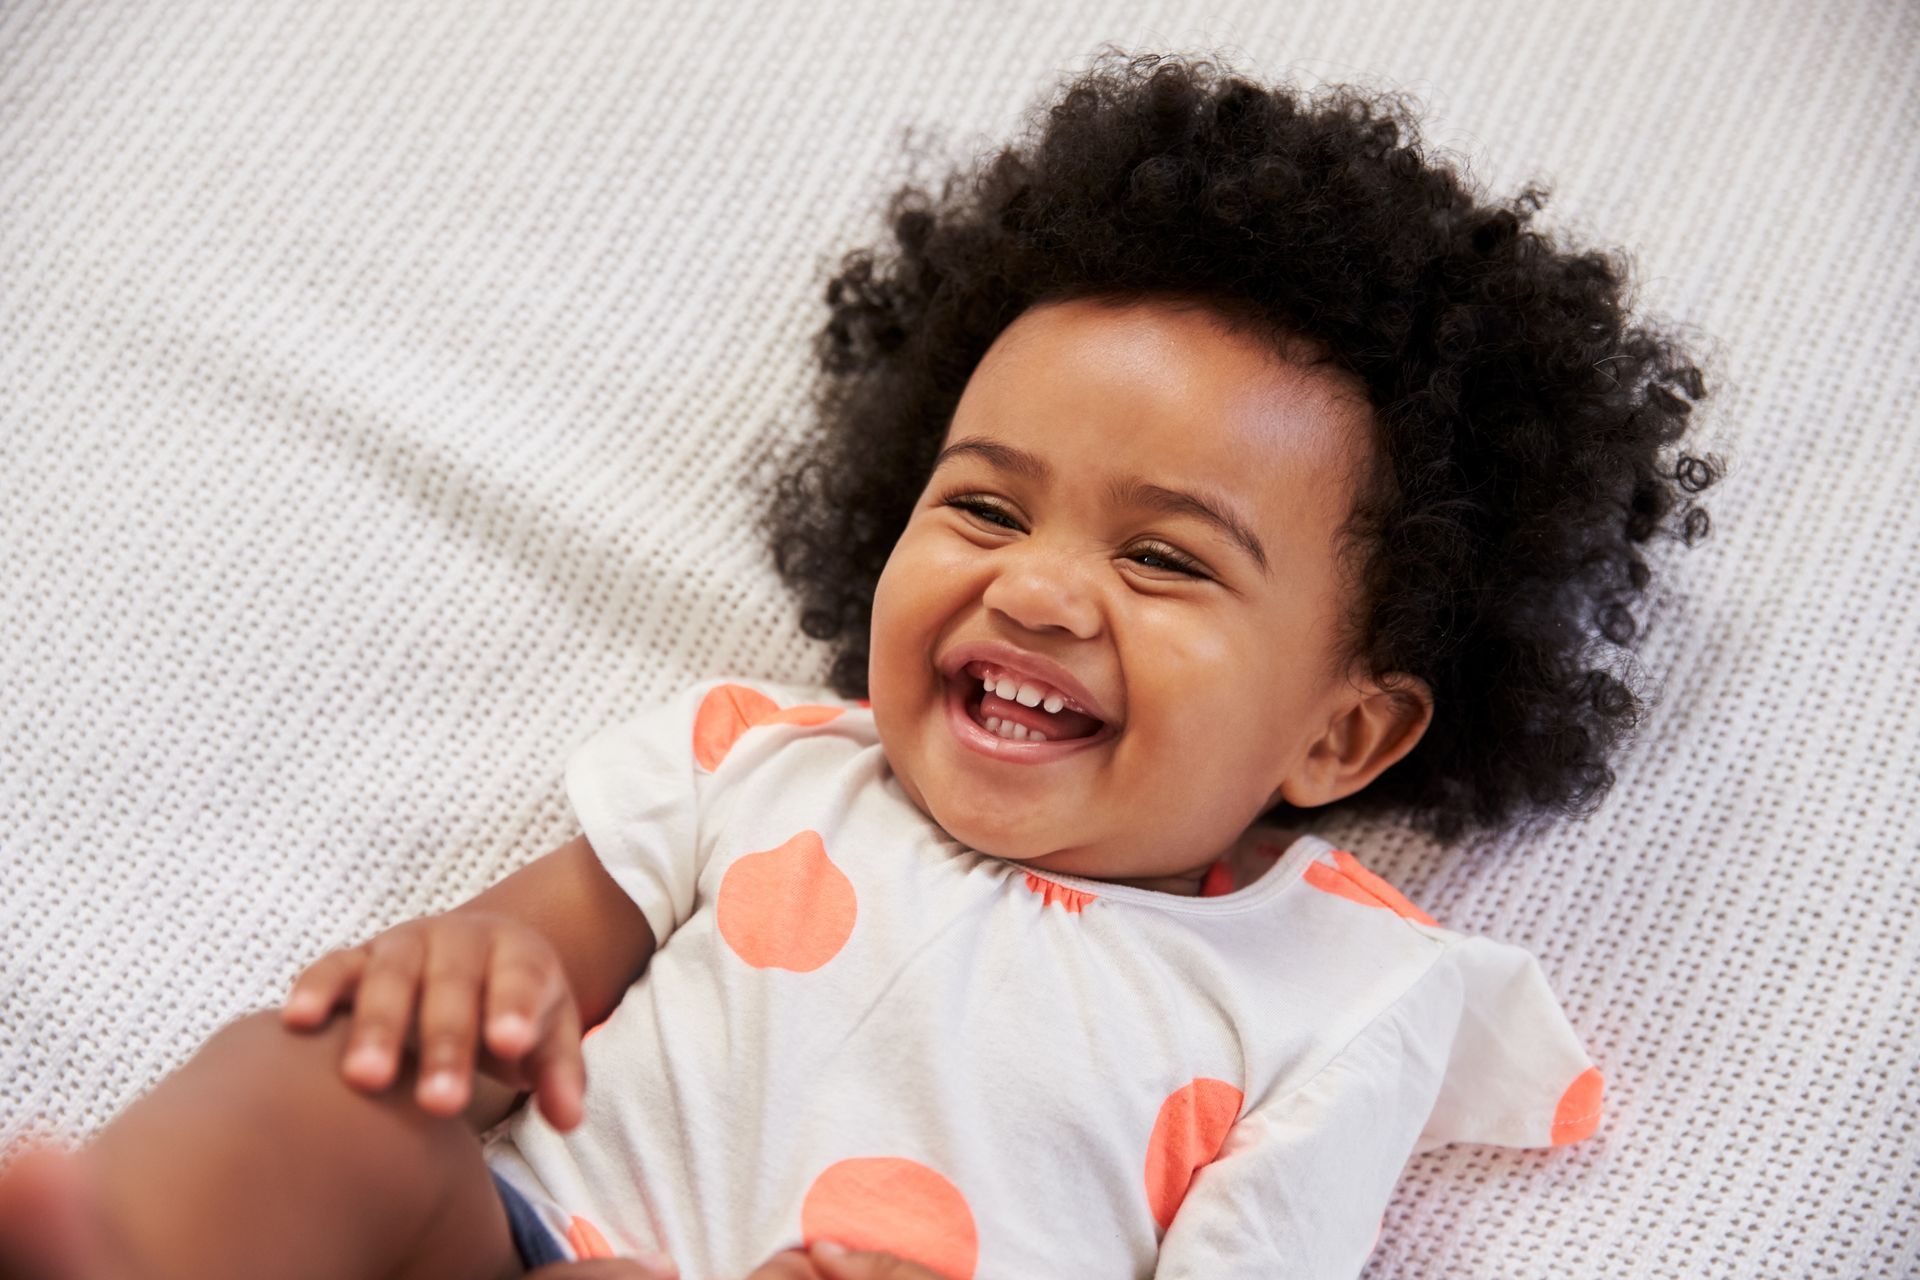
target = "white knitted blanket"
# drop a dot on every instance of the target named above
(377, 384)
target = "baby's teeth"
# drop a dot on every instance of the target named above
(1027, 695)
(1013, 730)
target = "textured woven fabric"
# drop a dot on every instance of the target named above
(379, 385)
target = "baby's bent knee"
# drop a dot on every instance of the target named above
(270, 1065)
(264, 1034)
(270, 1078)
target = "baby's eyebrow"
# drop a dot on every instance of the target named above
(1129, 491)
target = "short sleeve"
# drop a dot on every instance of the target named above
(1517, 1075)
(1301, 1183)
(637, 787)
(1476, 1050)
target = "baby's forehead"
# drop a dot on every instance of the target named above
(1174, 405)
(1177, 384)
(1219, 367)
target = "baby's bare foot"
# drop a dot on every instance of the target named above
(51, 1225)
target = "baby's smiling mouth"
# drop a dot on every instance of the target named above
(1064, 724)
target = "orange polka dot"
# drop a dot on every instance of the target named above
(586, 1240)
(1578, 1114)
(892, 1205)
(1193, 1123)
(804, 713)
(1219, 880)
(1072, 899)
(1329, 880)
(1391, 896)
(1354, 882)
(786, 908)
(729, 710)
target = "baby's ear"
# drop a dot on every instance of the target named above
(1383, 721)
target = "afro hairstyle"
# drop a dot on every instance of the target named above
(1520, 427)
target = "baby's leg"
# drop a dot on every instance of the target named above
(257, 1159)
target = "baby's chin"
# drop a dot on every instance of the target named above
(1073, 862)
(994, 843)
(997, 839)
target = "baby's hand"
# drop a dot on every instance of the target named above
(451, 963)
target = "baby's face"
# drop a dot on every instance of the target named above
(1218, 692)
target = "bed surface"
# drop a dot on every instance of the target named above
(376, 387)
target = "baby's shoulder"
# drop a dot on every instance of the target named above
(743, 720)
(752, 702)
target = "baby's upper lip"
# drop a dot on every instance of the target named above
(1021, 662)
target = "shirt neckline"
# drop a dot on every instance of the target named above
(1287, 868)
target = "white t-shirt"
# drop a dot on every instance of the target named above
(856, 1028)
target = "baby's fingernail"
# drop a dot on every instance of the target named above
(828, 1249)
(512, 1028)
(658, 1263)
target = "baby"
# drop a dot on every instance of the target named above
(1211, 465)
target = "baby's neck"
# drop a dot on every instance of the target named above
(1189, 884)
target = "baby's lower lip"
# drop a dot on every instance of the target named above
(975, 736)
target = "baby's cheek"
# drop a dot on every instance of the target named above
(904, 591)
(1190, 692)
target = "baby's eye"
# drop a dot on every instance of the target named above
(1150, 551)
(1173, 560)
(982, 509)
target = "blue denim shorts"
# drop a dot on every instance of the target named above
(531, 1238)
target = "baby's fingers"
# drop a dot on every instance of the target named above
(383, 1010)
(450, 1016)
(322, 985)
(525, 985)
(558, 1070)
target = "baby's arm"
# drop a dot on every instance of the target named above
(493, 955)
(603, 939)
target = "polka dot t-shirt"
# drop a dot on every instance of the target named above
(856, 1028)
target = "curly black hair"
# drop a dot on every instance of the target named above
(1518, 422)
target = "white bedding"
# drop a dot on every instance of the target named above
(376, 384)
